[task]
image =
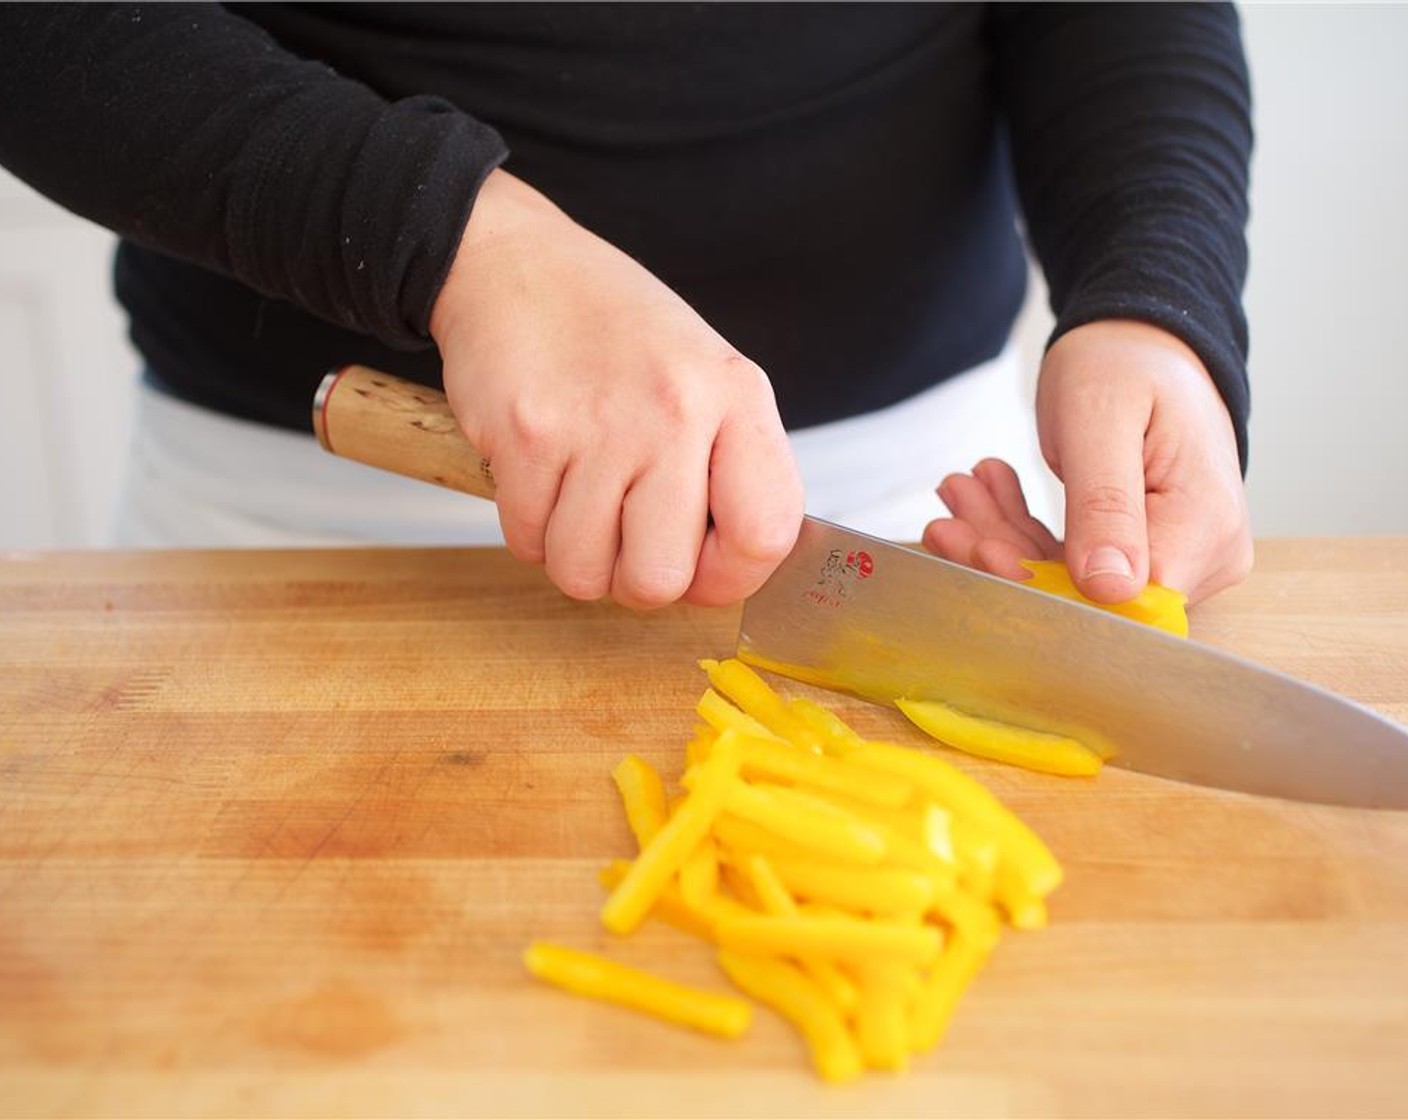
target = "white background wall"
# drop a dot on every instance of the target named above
(1327, 297)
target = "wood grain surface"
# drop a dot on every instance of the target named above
(276, 826)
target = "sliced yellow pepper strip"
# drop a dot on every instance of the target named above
(773, 896)
(789, 992)
(740, 837)
(834, 983)
(839, 938)
(906, 842)
(1154, 606)
(753, 694)
(699, 875)
(968, 915)
(661, 860)
(968, 799)
(1002, 742)
(642, 796)
(837, 737)
(882, 1022)
(587, 974)
(771, 759)
(1026, 912)
(670, 907)
(932, 1010)
(874, 890)
(719, 714)
(805, 821)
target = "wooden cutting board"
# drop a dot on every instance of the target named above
(275, 828)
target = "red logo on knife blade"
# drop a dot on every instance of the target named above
(837, 575)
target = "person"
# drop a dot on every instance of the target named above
(681, 268)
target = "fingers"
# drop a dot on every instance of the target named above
(959, 542)
(584, 530)
(1006, 488)
(991, 529)
(755, 496)
(663, 519)
(1102, 465)
(526, 493)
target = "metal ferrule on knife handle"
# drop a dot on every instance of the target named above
(400, 426)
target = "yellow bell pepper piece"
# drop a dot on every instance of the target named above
(670, 907)
(642, 796)
(823, 829)
(1002, 742)
(699, 875)
(739, 837)
(882, 1020)
(840, 938)
(775, 900)
(719, 714)
(771, 759)
(933, 1008)
(587, 974)
(836, 735)
(875, 890)
(1158, 606)
(753, 694)
(789, 992)
(1019, 847)
(672, 845)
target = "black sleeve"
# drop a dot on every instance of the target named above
(1130, 127)
(187, 129)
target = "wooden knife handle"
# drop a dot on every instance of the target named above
(384, 421)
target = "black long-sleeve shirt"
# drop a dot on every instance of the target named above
(835, 187)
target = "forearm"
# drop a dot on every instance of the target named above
(1131, 138)
(187, 129)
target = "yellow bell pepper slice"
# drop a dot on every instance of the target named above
(968, 799)
(633, 897)
(793, 816)
(755, 696)
(1156, 605)
(588, 974)
(776, 900)
(770, 759)
(1002, 742)
(840, 938)
(933, 1008)
(699, 875)
(882, 1020)
(794, 996)
(837, 736)
(670, 907)
(720, 714)
(875, 890)
(642, 796)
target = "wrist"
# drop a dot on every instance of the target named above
(504, 206)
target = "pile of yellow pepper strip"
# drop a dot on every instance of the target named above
(853, 886)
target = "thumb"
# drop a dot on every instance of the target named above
(1107, 535)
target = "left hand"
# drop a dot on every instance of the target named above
(1131, 422)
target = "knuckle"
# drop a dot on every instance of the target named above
(532, 431)
(676, 399)
(580, 584)
(1108, 502)
(653, 587)
(768, 541)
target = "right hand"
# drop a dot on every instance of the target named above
(617, 420)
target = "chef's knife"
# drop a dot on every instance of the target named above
(854, 613)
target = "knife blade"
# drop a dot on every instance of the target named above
(881, 621)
